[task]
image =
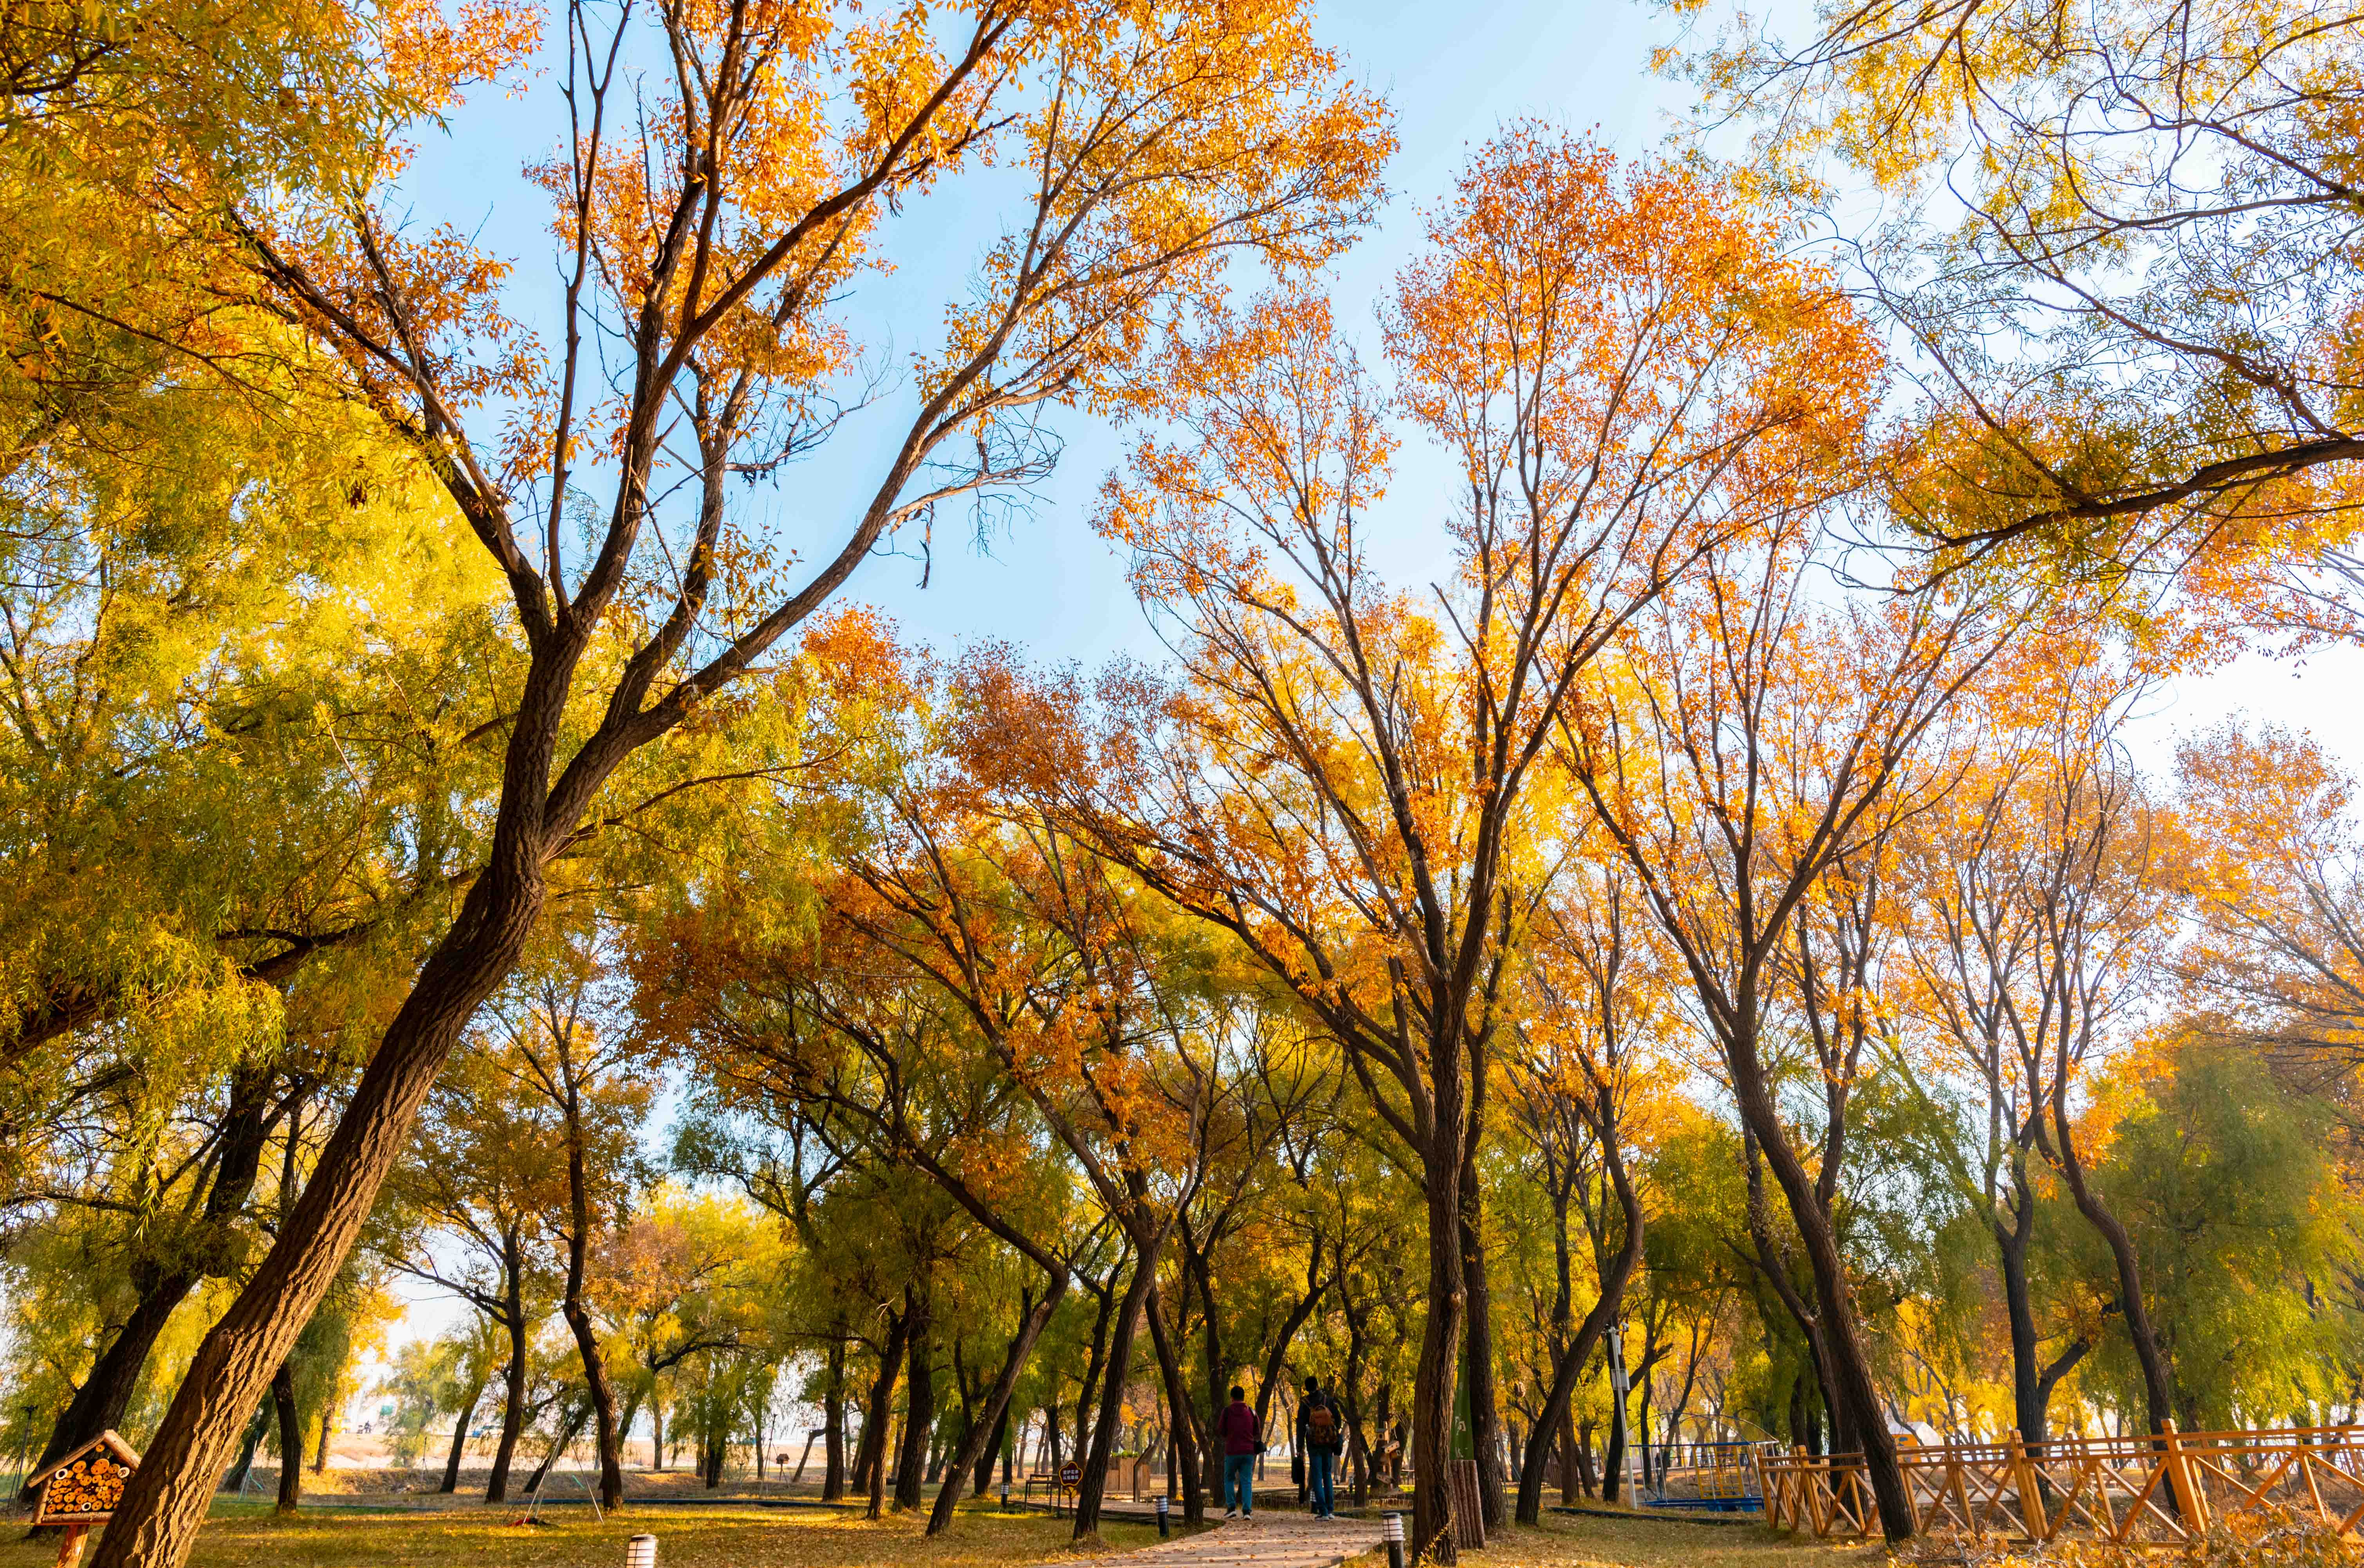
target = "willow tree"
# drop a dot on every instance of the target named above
(709, 215)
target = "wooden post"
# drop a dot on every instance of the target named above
(1962, 1492)
(2191, 1502)
(70, 1549)
(2031, 1488)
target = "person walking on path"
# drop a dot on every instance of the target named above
(1238, 1426)
(1321, 1434)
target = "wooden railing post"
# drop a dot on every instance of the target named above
(2191, 1502)
(2031, 1489)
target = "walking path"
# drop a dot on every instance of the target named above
(1273, 1539)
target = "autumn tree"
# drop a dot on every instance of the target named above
(1155, 146)
(1748, 747)
(1623, 370)
(2122, 247)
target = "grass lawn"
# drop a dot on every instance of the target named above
(246, 1535)
(1585, 1540)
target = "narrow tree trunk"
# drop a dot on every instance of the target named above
(328, 1410)
(105, 1397)
(236, 1480)
(1613, 1463)
(460, 1441)
(578, 1315)
(1181, 1417)
(2159, 1388)
(291, 1438)
(513, 1406)
(870, 1457)
(985, 1432)
(832, 1421)
(1440, 1349)
(1119, 1364)
(1569, 1366)
(1850, 1368)
(1485, 1407)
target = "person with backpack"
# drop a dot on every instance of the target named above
(1321, 1434)
(1240, 1446)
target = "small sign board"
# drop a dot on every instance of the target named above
(1071, 1474)
(84, 1488)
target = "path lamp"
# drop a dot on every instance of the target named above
(1392, 1532)
(1164, 1527)
(640, 1551)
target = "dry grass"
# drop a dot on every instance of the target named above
(1587, 1541)
(248, 1536)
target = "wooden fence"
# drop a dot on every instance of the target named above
(2142, 1490)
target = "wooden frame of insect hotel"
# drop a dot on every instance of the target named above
(82, 1490)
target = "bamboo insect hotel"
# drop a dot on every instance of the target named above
(82, 1489)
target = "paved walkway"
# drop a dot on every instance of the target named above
(1271, 1540)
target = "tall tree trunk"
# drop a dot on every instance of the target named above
(832, 1421)
(1440, 1340)
(870, 1455)
(1181, 1417)
(2159, 1388)
(2011, 1255)
(1485, 1405)
(165, 1501)
(291, 1438)
(919, 1404)
(578, 1315)
(1478, 1366)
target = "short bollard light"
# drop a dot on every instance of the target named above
(1392, 1531)
(1005, 1497)
(640, 1551)
(1165, 1526)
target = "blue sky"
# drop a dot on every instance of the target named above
(1455, 74)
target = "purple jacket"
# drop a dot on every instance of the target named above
(1239, 1428)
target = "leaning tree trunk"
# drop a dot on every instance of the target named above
(1558, 1403)
(975, 1453)
(1181, 1416)
(1850, 1368)
(870, 1455)
(2158, 1389)
(460, 1441)
(1094, 1480)
(166, 1499)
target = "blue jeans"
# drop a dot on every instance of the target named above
(1239, 1482)
(1318, 1464)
